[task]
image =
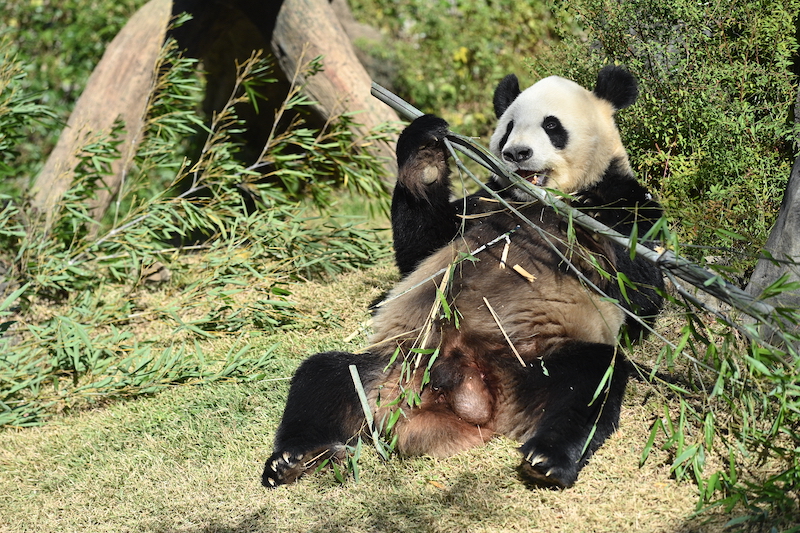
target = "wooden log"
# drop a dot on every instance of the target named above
(310, 28)
(220, 34)
(118, 88)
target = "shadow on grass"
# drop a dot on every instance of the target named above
(457, 508)
(467, 505)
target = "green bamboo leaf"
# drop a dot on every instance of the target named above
(634, 240)
(604, 382)
(684, 457)
(11, 298)
(654, 428)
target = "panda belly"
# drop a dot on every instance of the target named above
(533, 316)
(500, 324)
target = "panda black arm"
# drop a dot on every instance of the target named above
(619, 202)
(423, 217)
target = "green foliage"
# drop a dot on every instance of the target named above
(58, 42)
(78, 302)
(19, 111)
(734, 430)
(712, 130)
(449, 55)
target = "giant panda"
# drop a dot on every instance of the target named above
(496, 327)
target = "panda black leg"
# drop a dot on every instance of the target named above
(322, 414)
(571, 423)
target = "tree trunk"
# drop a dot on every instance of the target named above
(309, 28)
(118, 88)
(783, 244)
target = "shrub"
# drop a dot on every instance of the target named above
(79, 317)
(712, 130)
(450, 55)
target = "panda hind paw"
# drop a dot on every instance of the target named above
(282, 468)
(547, 471)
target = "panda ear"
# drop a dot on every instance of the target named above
(616, 85)
(506, 92)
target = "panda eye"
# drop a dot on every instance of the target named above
(555, 130)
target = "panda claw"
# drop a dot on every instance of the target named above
(539, 458)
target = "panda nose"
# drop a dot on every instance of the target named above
(517, 154)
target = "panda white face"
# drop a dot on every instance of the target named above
(555, 134)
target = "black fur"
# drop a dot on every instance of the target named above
(571, 410)
(545, 393)
(506, 92)
(504, 139)
(427, 130)
(622, 203)
(421, 222)
(322, 414)
(556, 132)
(616, 85)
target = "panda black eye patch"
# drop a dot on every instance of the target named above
(555, 130)
(504, 140)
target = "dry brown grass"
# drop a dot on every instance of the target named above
(189, 460)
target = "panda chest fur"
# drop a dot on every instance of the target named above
(519, 291)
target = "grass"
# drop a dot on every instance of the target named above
(189, 459)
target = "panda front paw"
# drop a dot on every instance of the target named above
(427, 131)
(548, 470)
(422, 155)
(585, 200)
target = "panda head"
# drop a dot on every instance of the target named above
(557, 134)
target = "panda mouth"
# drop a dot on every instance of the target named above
(536, 177)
